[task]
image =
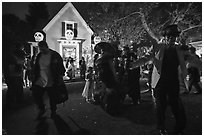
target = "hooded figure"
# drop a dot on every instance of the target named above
(40, 36)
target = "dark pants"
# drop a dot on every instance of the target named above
(134, 85)
(169, 95)
(15, 89)
(195, 83)
(194, 79)
(38, 93)
(82, 73)
(111, 102)
(27, 77)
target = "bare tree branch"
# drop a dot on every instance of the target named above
(144, 23)
(181, 15)
(146, 27)
(164, 23)
(127, 16)
(197, 26)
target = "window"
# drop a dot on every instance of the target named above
(69, 25)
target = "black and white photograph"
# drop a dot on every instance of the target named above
(101, 68)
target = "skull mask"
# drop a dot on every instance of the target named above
(39, 36)
(69, 34)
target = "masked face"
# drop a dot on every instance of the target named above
(69, 34)
(38, 36)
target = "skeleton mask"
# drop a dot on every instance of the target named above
(39, 36)
(69, 34)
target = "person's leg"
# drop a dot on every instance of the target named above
(52, 99)
(29, 77)
(134, 93)
(19, 89)
(161, 105)
(38, 93)
(138, 92)
(190, 84)
(178, 110)
(197, 87)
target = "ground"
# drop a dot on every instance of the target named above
(79, 117)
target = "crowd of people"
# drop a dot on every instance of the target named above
(119, 76)
(112, 77)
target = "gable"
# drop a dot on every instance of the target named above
(62, 12)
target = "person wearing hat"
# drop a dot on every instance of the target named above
(167, 57)
(107, 75)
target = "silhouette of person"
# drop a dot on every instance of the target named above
(107, 75)
(133, 75)
(14, 75)
(194, 74)
(165, 79)
(48, 72)
(82, 65)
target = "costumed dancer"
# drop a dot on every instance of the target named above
(88, 88)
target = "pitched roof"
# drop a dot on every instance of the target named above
(61, 12)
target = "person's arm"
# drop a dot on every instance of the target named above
(141, 61)
(59, 62)
(182, 66)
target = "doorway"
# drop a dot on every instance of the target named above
(69, 52)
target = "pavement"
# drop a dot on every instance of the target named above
(77, 117)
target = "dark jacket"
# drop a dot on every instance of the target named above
(56, 64)
(106, 70)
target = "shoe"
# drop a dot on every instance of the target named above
(88, 100)
(163, 132)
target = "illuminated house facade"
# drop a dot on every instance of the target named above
(69, 35)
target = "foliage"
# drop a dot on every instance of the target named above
(37, 12)
(13, 30)
(17, 30)
(132, 22)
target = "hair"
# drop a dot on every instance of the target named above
(171, 31)
(42, 44)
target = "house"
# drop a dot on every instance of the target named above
(69, 35)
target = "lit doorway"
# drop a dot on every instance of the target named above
(69, 52)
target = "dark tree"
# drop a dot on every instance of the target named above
(13, 30)
(125, 21)
(38, 14)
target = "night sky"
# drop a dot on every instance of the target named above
(21, 8)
